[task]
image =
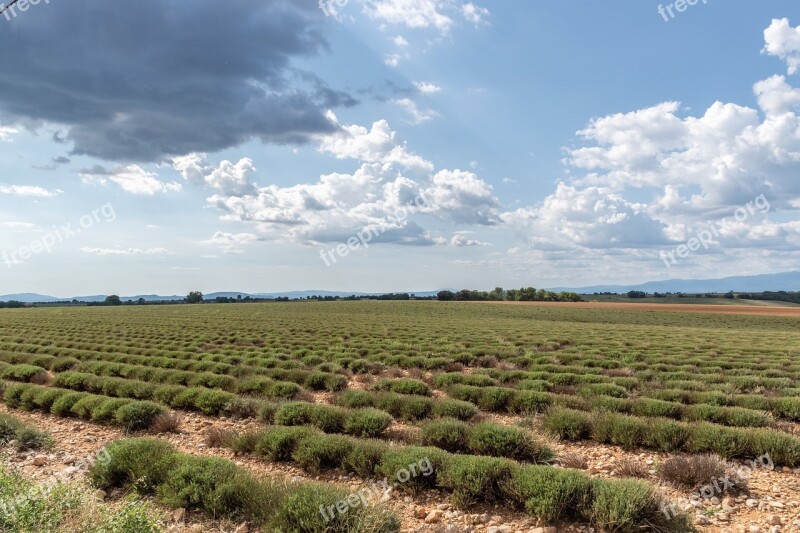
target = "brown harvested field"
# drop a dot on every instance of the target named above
(674, 308)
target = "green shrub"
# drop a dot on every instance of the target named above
(473, 479)
(138, 415)
(25, 373)
(279, 443)
(567, 424)
(266, 412)
(787, 408)
(496, 440)
(447, 434)
(623, 506)
(727, 442)
(322, 452)
(454, 409)
(367, 423)
(106, 410)
(83, 407)
(45, 397)
(623, 430)
(293, 414)
(496, 398)
(354, 399)
(403, 386)
(603, 389)
(143, 463)
(245, 442)
(666, 435)
(195, 483)
(740, 417)
(63, 405)
(530, 402)
(657, 408)
(549, 494)
(364, 456)
(213, 402)
(300, 512)
(400, 459)
(13, 394)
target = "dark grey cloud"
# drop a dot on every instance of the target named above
(153, 78)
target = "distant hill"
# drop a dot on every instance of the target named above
(785, 281)
(41, 298)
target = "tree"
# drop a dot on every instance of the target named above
(445, 296)
(195, 297)
(113, 300)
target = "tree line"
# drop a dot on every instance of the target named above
(525, 294)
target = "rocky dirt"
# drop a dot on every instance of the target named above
(772, 504)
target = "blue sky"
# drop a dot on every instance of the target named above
(168, 145)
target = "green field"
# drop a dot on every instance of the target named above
(328, 379)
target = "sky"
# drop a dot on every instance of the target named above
(164, 146)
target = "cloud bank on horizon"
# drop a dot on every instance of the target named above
(219, 134)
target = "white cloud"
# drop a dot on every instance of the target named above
(418, 116)
(783, 41)
(124, 251)
(411, 13)
(592, 217)
(28, 190)
(460, 240)
(20, 226)
(473, 13)
(7, 133)
(427, 88)
(227, 177)
(231, 243)
(400, 41)
(392, 60)
(390, 192)
(132, 179)
(378, 144)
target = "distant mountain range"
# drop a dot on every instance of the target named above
(43, 298)
(785, 281)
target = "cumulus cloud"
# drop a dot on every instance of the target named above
(783, 41)
(168, 77)
(227, 177)
(378, 144)
(390, 193)
(590, 217)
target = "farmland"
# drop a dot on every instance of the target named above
(530, 416)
